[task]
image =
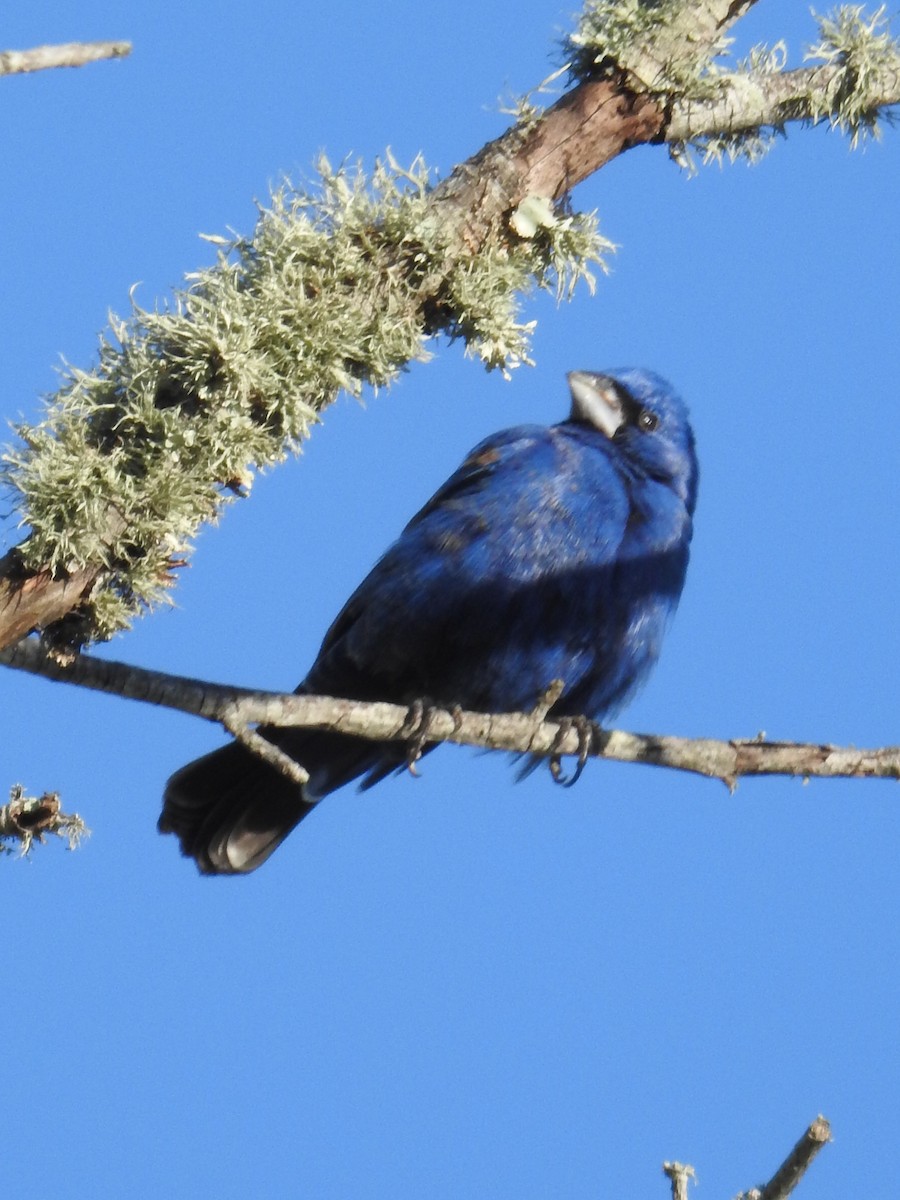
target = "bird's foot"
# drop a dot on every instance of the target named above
(416, 728)
(586, 731)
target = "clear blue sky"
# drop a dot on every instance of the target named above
(457, 986)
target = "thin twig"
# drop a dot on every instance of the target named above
(268, 751)
(69, 54)
(240, 708)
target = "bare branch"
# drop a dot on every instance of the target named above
(268, 751)
(795, 1166)
(69, 54)
(239, 708)
(679, 1174)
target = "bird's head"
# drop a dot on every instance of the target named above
(645, 419)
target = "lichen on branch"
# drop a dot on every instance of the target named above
(665, 46)
(27, 820)
(344, 283)
(340, 286)
(853, 84)
(863, 54)
(737, 108)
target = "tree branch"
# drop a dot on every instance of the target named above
(181, 408)
(38, 599)
(69, 54)
(795, 1165)
(237, 709)
(660, 45)
(782, 1183)
(25, 820)
(752, 100)
(679, 1174)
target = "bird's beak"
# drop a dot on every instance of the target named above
(597, 400)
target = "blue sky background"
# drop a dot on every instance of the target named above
(458, 986)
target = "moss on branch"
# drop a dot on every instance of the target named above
(344, 283)
(340, 286)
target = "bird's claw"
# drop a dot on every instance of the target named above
(586, 731)
(415, 728)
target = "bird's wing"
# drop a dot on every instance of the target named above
(519, 545)
(500, 454)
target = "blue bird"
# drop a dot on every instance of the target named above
(551, 553)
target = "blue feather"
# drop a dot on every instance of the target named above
(551, 553)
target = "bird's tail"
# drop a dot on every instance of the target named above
(230, 809)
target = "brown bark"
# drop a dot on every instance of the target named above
(584, 130)
(34, 600)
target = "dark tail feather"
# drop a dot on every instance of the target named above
(230, 809)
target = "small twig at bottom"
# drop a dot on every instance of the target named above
(28, 819)
(795, 1165)
(267, 751)
(679, 1175)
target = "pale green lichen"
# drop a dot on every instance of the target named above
(646, 39)
(750, 144)
(27, 820)
(340, 286)
(862, 59)
(484, 293)
(609, 32)
(862, 49)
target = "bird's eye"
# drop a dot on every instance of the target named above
(647, 420)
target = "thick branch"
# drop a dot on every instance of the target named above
(583, 131)
(35, 600)
(699, 24)
(586, 128)
(591, 124)
(526, 733)
(70, 54)
(655, 48)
